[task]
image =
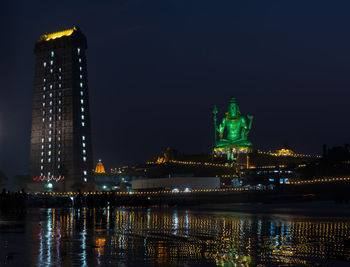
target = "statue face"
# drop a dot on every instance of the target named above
(233, 110)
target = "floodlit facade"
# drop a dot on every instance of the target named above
(61, 150)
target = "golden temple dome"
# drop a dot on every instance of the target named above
(100, 169)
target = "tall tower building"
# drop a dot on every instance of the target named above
(61, 134)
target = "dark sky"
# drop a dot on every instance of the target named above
(156, 67)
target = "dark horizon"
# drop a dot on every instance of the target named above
(155, 70)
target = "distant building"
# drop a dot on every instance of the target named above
(281, 157)
(176, 183)
(269, 175)
(61, 150)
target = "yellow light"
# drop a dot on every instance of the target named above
(55, 35)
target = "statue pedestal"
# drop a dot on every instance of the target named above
(237, 156)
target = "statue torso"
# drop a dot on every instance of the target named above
(233, 127)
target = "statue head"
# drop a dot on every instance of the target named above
(233, 109)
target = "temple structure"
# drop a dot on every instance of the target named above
(100, 169)
(61, 150)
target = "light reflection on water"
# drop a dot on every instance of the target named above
(163, 237)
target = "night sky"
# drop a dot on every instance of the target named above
(157, 67)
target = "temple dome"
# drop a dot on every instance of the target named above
(100, 169)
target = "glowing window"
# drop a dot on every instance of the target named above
(85, 180)
(50, 94)
(78, 51)
(49, 160)
(49, 145)
(59, 118)
(51, 70)
(44, 64)
(50, 119)
(83, 124)
(51, 62)
(81, 93)
(49, 153)
(83, 144)
(59, 166)
(83, 137)
(50, 86)
(50, 111)
(43, 104)
(82, 117)
(43, 96)
(42, 160)
(82, 109)
(84, 158)
(59, 69)
(59, 85)
(79, 60)
(44, 80)
(52, 53)
(44, 88)
(50, 125)
(42, 146)
(50, 132)
(85, 172)
(41, 167)
(81, 76)
(59, 159)
(49, 139)
(84, 151)
(81, 85)
(42, 153)
(43, 119)
(59, 102)
(42, 140)
(59, 77)
(59, 153)
(59, 109)
(80, 68)
(59, 138)
(81, 101)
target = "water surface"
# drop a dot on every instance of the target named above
(171, 237)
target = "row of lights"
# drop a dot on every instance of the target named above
(50, 119)
(276, 154)
(321, 180)
(175, 191)
(82, 116)
(195, 163)
(268, 167)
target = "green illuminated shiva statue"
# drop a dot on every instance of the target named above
(237, 130)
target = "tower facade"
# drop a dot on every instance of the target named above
(61, 150)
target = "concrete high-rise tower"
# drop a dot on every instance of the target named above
(61, 132)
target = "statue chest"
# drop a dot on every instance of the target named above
(233, 125)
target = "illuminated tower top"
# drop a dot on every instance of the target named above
(61, 40)
(55, 35)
